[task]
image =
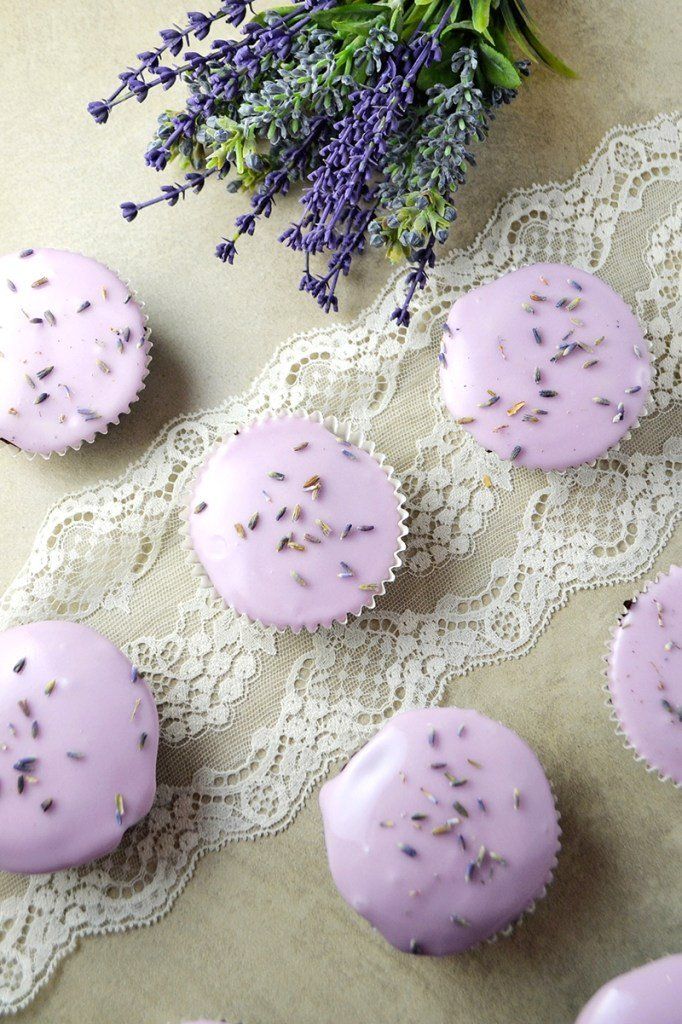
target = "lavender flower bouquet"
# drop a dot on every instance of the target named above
(371, 106)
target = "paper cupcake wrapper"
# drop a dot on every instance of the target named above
(610, 706)
(345, 433)
(104, 429)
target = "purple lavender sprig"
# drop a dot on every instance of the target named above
(133, 81)
(372, 109)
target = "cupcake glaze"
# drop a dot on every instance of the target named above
(546, 366)
(651, 994)
(292, 477)
(74, 349)
(78, 743)
(442, 831)
(645, 675)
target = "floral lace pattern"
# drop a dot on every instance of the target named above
(251, 720)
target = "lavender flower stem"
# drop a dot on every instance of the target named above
(366, 106)
(159, 52)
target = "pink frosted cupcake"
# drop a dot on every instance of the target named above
(74, 350)
(648, 995)
(78, 739)
(546, 366)
(294, 524)
(645, 675)
(442, 831)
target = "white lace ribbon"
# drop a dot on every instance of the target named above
(252, 720)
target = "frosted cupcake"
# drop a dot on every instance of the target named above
(74, 350)
(545, 366)
(645, 675)
(78, 740)
(648, 995)
(442, 831)
(294, 525)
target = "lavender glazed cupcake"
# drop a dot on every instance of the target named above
(546, 366)
(644, 671)
(442, 831)
(74, 350)
(79, 734)
(651, 994)
(294, 524)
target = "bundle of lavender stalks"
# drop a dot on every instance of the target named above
(371, 106)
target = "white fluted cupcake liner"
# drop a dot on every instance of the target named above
(345, 433)
(104, 428)
(608, 701)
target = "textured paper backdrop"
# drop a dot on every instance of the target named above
(260, 934)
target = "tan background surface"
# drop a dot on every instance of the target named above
(260, 934)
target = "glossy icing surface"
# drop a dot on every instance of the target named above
(645, 674)
(240, 516)
(78, 367)
(648, 995)
(442, 830)
(78, 730)
(573, 338)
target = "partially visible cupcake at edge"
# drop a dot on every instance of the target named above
(79, 733)
(74, 350)
(651, 994)
(644, 671)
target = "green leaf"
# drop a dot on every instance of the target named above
(497, 68)
(527, 41)
(466, 26)
(500, 40)
(260, 17)
(521, 9)
(351, 29)
(546, 56)
(514, 32)
(353, 12)
(480, 14)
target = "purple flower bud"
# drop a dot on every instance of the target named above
(167, 76)
(148, 58)
(401, 316)
(157, 157)
(99, 109)
(173, 39)
(235, 10)
(200, 24)
(246, 223)
(226, 251)
(129, 211)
